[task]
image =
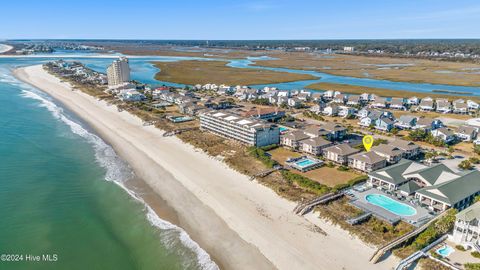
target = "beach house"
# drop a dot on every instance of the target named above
(443, 106)
(354, 100)
(428, 123)
(406, 121)
(330, 110)
(466, 231)
(380, 102)
(466, 133)
(445, 134)
(426, 104)
(397, 103)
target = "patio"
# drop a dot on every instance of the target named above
(358, 199)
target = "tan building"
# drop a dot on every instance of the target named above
(367, 161)
(339, 153)
(118, 72)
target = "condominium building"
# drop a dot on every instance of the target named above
(118, 72)
(246, 130)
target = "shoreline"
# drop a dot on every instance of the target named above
(254, 228)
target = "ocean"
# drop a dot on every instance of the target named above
(64, 195)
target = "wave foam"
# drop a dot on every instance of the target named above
(118, 172)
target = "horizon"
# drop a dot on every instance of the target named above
(249, 20)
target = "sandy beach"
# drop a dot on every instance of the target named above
(241, 224)
(5, 48)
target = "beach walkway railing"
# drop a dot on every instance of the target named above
(305, 207)
(359, 219)
(178, 131)
(396, 242)
(266, 172)
(405, 263)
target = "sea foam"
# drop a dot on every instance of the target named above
(117, 171)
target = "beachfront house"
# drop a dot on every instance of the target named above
(406, 122)
(437, 187)
(466, 133)
(445, 134)
(367, 161)
(315, 146)
(409, 148)
(339, 153)
(466, 231)
(426, 104)
(230, 125)
(131, 95)
(392, 153)
(265, 113)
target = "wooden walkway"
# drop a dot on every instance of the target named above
(405, 263)
(266, 172)
(382, 250)
(305, 207)
(177, 131)
(359, 219)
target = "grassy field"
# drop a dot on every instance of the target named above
(202, 72)
(354, 89)
(394, 69)
(324, 175)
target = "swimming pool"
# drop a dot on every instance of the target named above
(305, 162)
(282, 129)
(445, 251)
(391, 205)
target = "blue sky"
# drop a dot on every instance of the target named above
(249, 19)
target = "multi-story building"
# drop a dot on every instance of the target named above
(467, 227)
(339, 153)
(118, 72)
(246, 130)
(367, 161)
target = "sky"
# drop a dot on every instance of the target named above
(248, 19)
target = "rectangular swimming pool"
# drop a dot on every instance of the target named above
(391, 205)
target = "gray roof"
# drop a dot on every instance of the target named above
(454, 191)
(434, 174)
(470, 213)
(443, 103)
(333, 127)
(369, 157)
(406, 118)
(446, 131)
(342, 149)
(296, 135)
(410, 187)
(404, 145)
(316, 142)
(397, 101)
(388, 149)
(464, 129)
(394, 174)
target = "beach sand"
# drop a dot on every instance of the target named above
(240, 223)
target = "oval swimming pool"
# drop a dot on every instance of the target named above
(391, 205)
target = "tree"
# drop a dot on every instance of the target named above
(465, 165)
(476, 149)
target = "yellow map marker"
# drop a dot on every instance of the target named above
(367, 142)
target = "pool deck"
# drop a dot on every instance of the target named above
(359, 201)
